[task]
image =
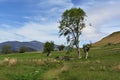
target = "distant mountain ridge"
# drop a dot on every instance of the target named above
(15, 45)
(113, 38)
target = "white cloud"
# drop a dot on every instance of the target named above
(103, 13)
(32, 31)
(51, 3)
(36, 31)
(54, 7)
(99, 16)
(35, 18)
(5, 26)
(9, 35)
(48, 10)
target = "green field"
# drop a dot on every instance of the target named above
(103, 64)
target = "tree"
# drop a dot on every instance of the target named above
(6, 49)
(22, 49)
(61, 47)
(71, 25)
(48, 47)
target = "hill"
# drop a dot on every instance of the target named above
(113, 38)
(32, 45)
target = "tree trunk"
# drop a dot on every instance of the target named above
(78, 52)
(86, 55)
(48, 54)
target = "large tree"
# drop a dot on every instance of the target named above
(71, 25)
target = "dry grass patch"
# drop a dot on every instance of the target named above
(12, 61)
(98, 61)
(9, 61)
(6, 59)
(116, 68)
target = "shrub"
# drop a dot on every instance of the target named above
(22, 49)
(6, 49)
(48, 47)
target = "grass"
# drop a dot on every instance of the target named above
(102, 64)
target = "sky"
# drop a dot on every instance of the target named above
(28, 20)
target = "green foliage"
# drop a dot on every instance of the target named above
(22, 49)
(61, 47)
(48, 47)
(6, 49)
(71, 24)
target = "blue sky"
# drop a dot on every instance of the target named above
(27, 20)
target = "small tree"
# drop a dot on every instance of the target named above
(22, 49)
(61, 47)
(71, 25)
(6, 49)
(48, 47)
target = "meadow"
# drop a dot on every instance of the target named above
(103, 63)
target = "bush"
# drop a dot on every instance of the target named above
(48, 47)
(6, 49)
(22, 49)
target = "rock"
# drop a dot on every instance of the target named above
(67, 58)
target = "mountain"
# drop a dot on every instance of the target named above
(113, 38)
(31, 46)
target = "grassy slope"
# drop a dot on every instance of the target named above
(114, 38)
(102, 64)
